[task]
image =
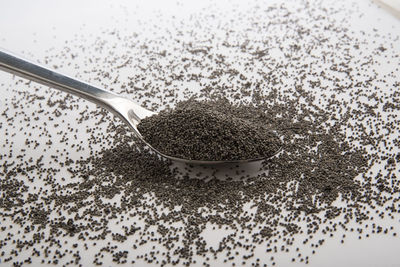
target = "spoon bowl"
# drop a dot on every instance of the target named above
(127, 110)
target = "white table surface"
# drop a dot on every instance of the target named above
(31, 28)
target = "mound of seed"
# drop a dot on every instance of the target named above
(77, 188)
(209, 130)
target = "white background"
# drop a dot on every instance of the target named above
(32, 27)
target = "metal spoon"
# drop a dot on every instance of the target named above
(127, 110)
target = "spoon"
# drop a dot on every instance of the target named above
(127, 110)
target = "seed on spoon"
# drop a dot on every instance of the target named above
(209, 130)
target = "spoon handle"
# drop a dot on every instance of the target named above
(32, 71)
(126, 109)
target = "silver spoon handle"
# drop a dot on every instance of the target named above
(126, 109)
(22, 67)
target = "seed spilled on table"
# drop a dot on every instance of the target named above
(77, 188)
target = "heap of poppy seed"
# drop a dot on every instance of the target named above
(209, 130)
(77, 187)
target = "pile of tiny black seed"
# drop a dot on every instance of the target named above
(212, 131)
(77, 187)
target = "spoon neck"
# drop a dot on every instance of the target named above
(126, 109)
